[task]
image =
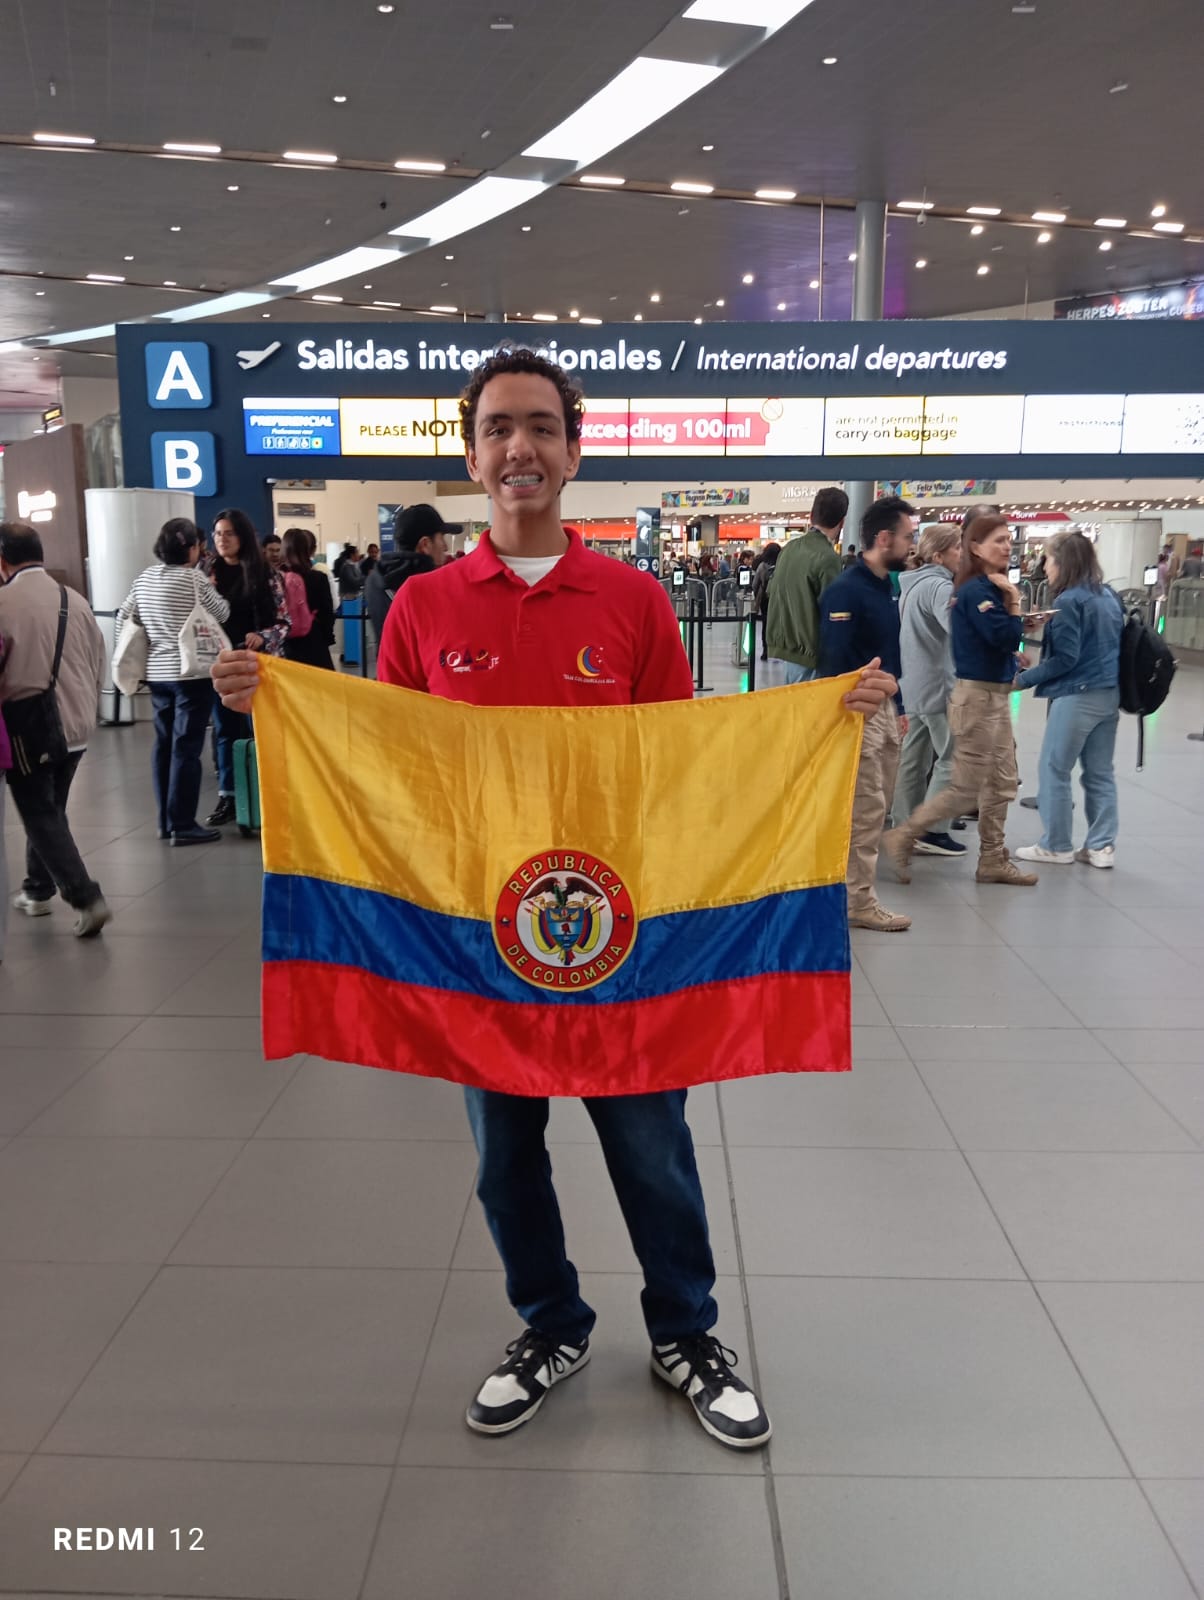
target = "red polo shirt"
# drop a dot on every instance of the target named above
(594, 632)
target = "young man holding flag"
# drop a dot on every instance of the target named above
(533, 618)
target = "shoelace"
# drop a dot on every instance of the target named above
(708, 1361)
(529, 1352)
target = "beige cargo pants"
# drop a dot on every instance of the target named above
(871, 801)
(985, 776)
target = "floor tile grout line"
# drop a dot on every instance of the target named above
(66, 1090)
(409, 1411)
(772, 1508)
(1198, 1142)
(1112, 1433)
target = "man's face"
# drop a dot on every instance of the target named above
(435, 546)
(274, 551)
(897, 546)
(521, 452)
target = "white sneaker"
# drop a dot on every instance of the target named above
(1097, 858)
(1038, 852)
(30, 906)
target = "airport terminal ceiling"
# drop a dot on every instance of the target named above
(1068, 109)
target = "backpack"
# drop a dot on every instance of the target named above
(1146, 670)
(298, 605)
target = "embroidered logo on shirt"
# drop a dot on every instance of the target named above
(840, 616)
(986, 605)
(589, 666)
(468, 660)
(564, 921)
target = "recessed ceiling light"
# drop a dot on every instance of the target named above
(983, 211)
(449, 258)
(169, 283)
(602, 181)
(231, 188)
(1168, 227)
(386, 10)
(776, 194)
(392, 305)
(62, 138)
(1105, 244)
(682, 187)
(1049, 216)
(1158, 211)
(852, 255)
(655, 298)
(922, 262)
(698, 322)
(502, 25)
(544, 316)
(339, 99)
(321, 157)
(593, 322)
(420, 166)
(639, 317)
(720, 302)
(448, 309)
(1044, 238)
(328, 299)
(707, 148)
(175, 228)
(781, 305)
(830, 61)
(977, 229)
(1110, 222)
(815, 283)
(1118, 87)
(39, 294)
(748, 277)
(194, 149)
(915, 205)
(983, 270)
(127, 258)
(526, 227)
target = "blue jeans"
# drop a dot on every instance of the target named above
(649, 1154)
(796, 674)
(182, 710)
(1080, 727)
(228, 728)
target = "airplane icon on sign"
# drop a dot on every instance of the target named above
(248, 360)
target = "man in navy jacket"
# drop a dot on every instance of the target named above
(859, 619)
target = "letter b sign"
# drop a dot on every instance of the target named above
(185, 461)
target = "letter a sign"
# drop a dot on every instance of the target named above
(177, 376)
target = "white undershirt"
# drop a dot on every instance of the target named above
(530, 568)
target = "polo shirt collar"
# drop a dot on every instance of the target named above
(572, 571)
(868, 572)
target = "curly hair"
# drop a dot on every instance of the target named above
(520, 359)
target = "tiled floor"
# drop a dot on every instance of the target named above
(253, 1299)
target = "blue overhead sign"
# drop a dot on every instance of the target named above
(177, 375)
(275, 427)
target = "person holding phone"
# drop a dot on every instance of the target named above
(986, 629)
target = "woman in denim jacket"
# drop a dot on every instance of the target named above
(1079, 674)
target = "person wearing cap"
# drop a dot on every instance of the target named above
(420, 534)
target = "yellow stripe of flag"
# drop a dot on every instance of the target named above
(697, 803)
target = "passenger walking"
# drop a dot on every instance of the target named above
(859, 619)
(925, 617)
(310, 603)
(763, 571)
(161, 600)
(50, 690)
(805, 568)
(1079, 674)
(986, 635)
(259, 620)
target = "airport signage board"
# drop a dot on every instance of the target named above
(1184, 300)
(787, 401)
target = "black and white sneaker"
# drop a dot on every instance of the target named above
(516, 1390)
(701, 1369)
(938, 844)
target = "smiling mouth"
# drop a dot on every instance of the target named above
(522, 480)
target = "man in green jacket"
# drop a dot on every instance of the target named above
(805, 569)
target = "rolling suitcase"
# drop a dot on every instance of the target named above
(246, 788)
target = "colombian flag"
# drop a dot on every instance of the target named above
(555, 901)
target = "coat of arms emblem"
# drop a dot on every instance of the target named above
(564, 921)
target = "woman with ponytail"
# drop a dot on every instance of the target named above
(162, 599)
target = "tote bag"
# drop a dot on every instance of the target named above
(130, 657)
(202, 639)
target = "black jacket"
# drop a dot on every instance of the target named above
(386, 578)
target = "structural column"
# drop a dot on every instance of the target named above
(869, 278)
